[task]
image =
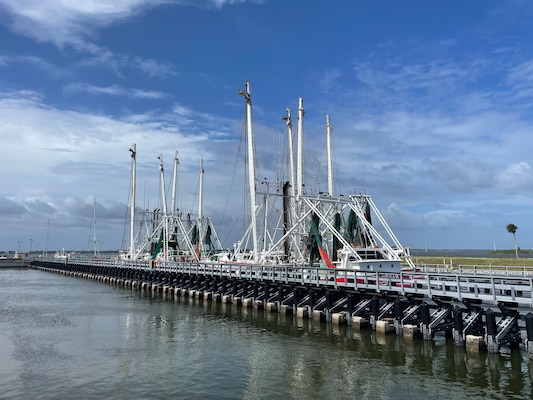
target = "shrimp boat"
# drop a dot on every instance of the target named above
(169, 236)
(286, 224)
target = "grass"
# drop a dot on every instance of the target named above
(521, 262)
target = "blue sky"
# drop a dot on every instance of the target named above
(431, 104)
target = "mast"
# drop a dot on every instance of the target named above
(164, 201)
(132, 206)
(199, 221)
(48, 235)
(174, 183)
(289, 213)
(251, 166)
(300, 168)
(288, 121)
(329, 130)
(299, 206)
(94, 228)
(201, 193)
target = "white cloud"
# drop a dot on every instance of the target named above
(329, 80)
(221, 3)
(66, 22)
(516, 177)
(114, 90)
(56, 161)
(152, 68)
(74, 24)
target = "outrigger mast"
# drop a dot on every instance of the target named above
(251, 169)
(132, 205)
(329, 130)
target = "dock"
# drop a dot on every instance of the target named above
(14, 263)
(481, 309)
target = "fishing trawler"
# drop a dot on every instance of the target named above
(287, 225)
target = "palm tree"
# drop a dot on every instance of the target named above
(511, 228)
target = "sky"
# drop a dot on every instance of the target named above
(431, 104)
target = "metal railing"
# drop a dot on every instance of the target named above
(487, 285)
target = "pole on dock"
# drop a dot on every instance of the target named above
(374, 311)
(398, 316)
(426, 319)
(529, 332)
(329, 305)
(491, 330)
(349, 309)
(458, 326)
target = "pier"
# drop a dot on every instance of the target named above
(15, 263)
(480, 309)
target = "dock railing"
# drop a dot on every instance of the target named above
(486, 284)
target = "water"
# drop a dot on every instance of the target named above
(67, 337)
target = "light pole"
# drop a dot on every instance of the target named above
(31, 243)
(20, 241)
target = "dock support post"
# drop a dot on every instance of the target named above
(529, 332)
(426, 320)
(458, 327)
(296, 298)
(398, 316)
(409, 331)
(474, 343)
(374, 309)
(350, 308)
(235, 290)
(311, 306)
(329, 305)
(281, 296)
(491, 330)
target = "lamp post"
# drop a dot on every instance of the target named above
(31, 243)
(20, 241)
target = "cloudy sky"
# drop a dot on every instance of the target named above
(431, 104)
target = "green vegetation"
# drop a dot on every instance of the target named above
(520, 251)
(511, 228)
(472, 261)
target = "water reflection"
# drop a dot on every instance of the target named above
(440, 362)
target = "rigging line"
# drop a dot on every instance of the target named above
(336, 180)
(196, 198)
(159, 194)
(230, 191)
(91, 233)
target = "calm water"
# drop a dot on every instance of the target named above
(66, 337)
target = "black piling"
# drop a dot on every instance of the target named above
(458, 326)
(491, 331)
(398, 316)
(374, 311)
(426, 320)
